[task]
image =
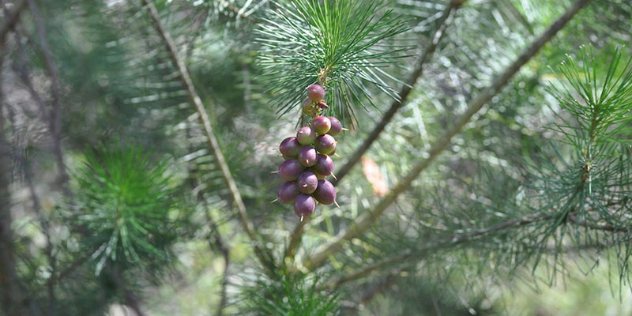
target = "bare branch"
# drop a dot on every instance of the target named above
(264, 257)
(362, 223)
(442, 24)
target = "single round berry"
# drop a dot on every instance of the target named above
(316, 92)
(290, 169)
(304, 205)
(306, 135)
(288, 192)
(325, 193)
(307, 156)
(308, 106)
(321, 125)
(324, 165)
(290, 147)
(307, 182)
(325, 144)
(336, 126)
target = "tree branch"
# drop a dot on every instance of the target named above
(362, 223)
(450, 241)
(442, 24)
(265, 258)
(55, 115)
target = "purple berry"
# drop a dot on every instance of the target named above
(324, 165)
(325, 144)
(290, 147)
(321, 125)
(288, 192)
(325, 193)
(336, 126)
(290, 169)
(307, 182)
(308, 106)
(306, 135)
(304, 205)
(316, 92)
(307, 156)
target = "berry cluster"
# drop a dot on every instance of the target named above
(308, 159)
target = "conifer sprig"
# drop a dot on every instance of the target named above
(124, 199)
(600, 105)
(338, 44)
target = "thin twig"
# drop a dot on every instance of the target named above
(442, 24)
(362, 223)
(264, 257)
(295, 240)
(55, 115)
(217, 241)
(450, 241)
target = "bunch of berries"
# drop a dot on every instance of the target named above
(308, 159)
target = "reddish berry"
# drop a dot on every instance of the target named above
(308, 106)
(307, 182)
(307, 156)
(288, 192)
(325, 193)
(290, 169)
(336, 126)
(325, 144)
(316, 92)
(306, 135)
(289, 147)
(324, 165)
(304, 205)
(321, 125)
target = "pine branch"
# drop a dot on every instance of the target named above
(55, 115)
(446, 19)
(265, 258)
(361, 224)
(442, 24)
(451, 241)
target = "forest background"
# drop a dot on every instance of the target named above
(485, 169)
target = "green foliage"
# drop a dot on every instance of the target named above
(338, 44)
(290, 296)
(599, 104)
(126, 202)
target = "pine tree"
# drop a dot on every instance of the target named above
(160, 121)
